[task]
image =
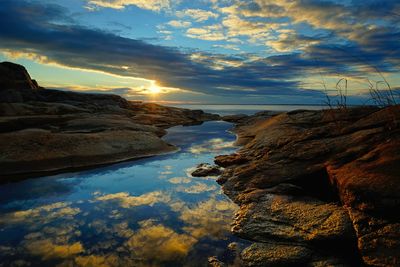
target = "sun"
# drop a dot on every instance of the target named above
(154, 89)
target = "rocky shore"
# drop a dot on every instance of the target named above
(317, 188)
(43, 130)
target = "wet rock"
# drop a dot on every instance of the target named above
(206, 169)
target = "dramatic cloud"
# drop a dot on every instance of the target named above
(75, 46)
(154, 5)
(297, 42)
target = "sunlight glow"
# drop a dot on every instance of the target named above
(154, 89)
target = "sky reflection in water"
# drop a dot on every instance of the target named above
(148, 212)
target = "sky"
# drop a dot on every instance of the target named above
(207, 51)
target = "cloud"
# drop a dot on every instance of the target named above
(179, 23)
(198, 15)
(180, 180)
(47, 249)
(227, 46)
(257, 31)
(213, 145)
(160, 243)
(42, 214)
(127, 201)
(289, 40)
(197, 188)
(76, 46)
(153, 5)
(317, 38)
(209, 33)
(209, 218)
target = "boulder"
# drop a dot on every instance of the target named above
(206, 169)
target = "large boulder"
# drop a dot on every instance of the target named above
(15, 83)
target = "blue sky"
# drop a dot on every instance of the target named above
(206, 51)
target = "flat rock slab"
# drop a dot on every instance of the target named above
(291, 218)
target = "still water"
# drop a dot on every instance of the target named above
(248, 109)
(148, 212)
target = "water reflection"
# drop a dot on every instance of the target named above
(149, 212)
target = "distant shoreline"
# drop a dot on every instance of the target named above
(316, 105)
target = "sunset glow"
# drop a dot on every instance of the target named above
(154, 89)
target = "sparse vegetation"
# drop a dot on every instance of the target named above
(382, 97)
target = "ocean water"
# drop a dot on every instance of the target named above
(147, 212)
(248, 109)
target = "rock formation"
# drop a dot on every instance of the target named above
(206, 169)
(317, 188)
(45, 130)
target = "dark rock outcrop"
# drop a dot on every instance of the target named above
(318, 188)
(205, 169)
(44, 130)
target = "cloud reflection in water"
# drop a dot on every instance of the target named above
(125, 215)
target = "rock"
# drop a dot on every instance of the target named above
(233, 246)
(15, 83)
(275, 254)
(290, 218)
(38, 151)
(378, 238)
(309, 178)
(16, 77)
(229, 160)
(205, 169)
(44, 130)
(234, 118)
(214, 262)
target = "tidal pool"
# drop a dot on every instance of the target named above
(147, 212)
